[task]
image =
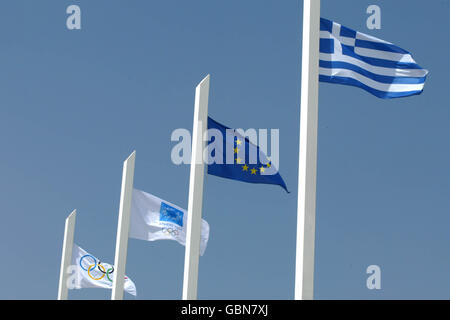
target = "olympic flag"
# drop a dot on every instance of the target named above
(155, 219)
(90, 272)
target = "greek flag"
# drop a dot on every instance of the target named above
(377, 66)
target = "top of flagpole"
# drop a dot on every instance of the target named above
(71, 215)
(205, 79)
(133, 154)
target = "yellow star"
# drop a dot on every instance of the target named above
(253, 171)
(262, 169)
(239, 142)
(238, 160)
(245, 167)
(269, 165)
(236, 150)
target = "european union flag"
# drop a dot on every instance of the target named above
(245, 163)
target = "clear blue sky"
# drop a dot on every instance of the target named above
(75, 104)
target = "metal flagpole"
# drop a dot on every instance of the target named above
(306, 211)
(194, 220)
(123, 227)
(66, 258)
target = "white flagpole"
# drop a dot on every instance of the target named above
(69, 231)
(306, 211)
(123, 227)
(194, 220)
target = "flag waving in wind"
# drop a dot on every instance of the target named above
(90, 272)
(353, 58)
(155, 219)
(243, 167)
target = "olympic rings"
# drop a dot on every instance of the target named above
(102, 271)
(89, 272)
(83, 257)
(96, 265)
(172, 232)
(109, 272)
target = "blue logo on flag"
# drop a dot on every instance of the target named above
(170, 214)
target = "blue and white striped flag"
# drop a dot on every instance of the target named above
(377, 66)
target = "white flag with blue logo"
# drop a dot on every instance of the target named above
(353, 58)
(90, 272)
(155, 219)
